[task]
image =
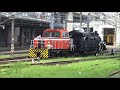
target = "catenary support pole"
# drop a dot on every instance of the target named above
(80, 20)
(88, 22)
(12, 37)
(0, 20)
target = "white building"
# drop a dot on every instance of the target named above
(108, 26)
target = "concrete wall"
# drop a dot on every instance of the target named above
(9, 36)
(101, 30)
(118, 37)
(16, 34)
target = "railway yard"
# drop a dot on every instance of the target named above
(59, 45)
(12, 66)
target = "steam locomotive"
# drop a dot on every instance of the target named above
(65, 43)
(85, 42)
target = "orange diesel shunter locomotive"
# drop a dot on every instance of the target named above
(52, 43)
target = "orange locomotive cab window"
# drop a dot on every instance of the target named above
(65, 34)
(52, 34)
(58, 33)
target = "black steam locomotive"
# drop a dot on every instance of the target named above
(86, 42)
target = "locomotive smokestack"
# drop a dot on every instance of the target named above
(96, 33)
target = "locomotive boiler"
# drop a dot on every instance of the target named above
(85, 42)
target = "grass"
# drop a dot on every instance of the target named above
(89, 69)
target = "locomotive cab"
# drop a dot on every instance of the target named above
(57, 38)
(56, 33)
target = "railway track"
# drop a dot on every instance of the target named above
(115, 74)
(5, 61)
(72, 61)
(26, 58)
(16, 52)
(53, 63)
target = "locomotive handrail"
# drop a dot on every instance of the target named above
(31, 45)
(72, 46)
(56, 44)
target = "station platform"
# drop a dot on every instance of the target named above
(115, 48)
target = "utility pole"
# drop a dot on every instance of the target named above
(65, 21)
(0, 20)
(12, 35)
(115, 32)
(80, 20)
(88, 21)
(52, 21)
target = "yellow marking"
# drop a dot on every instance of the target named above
(33, 53)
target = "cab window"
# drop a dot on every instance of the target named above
(52, 34)
(65, 34)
